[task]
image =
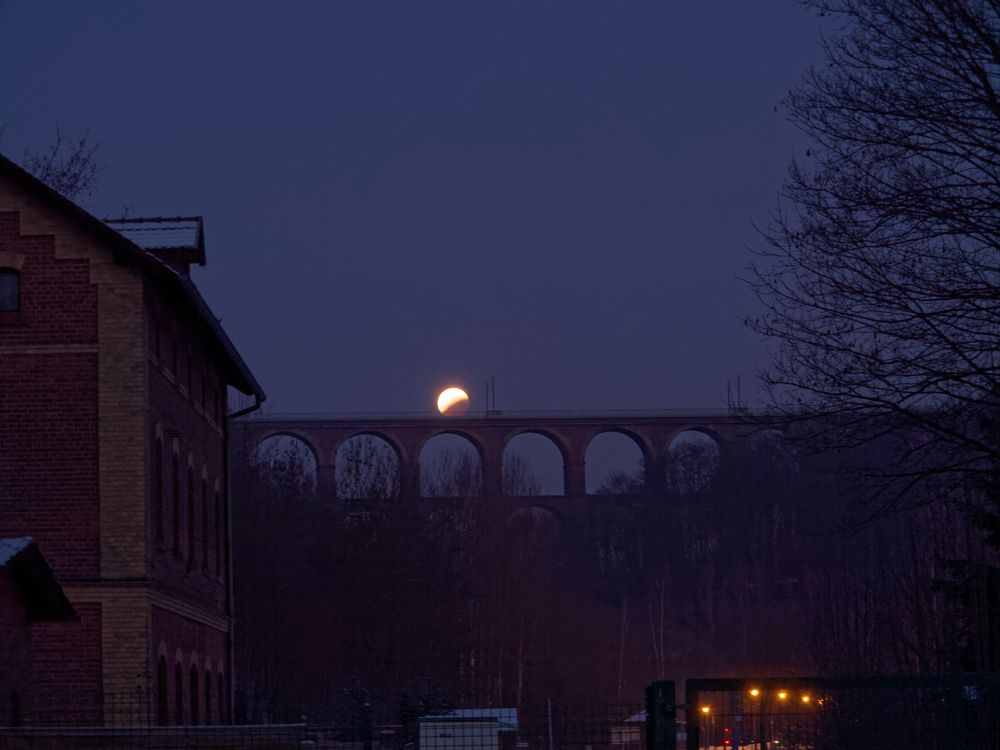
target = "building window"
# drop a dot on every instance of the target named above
(194, 695)
(208, 697)
(219, 526)
(158, 486)
(162, 700)
(10, 290)
(205, 520)
(175, 483)
(178, 695)
(191, 517)
(222, 699)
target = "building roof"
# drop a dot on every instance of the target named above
(35, 580)
(177, 285)
(163, 233)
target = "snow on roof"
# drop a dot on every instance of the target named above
(506, 717)
(11, 547)
(158, 233)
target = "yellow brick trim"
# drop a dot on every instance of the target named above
(190, 611)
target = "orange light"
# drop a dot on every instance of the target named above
(806, 698)
(754, 692)
(706, 709)
(782, 695)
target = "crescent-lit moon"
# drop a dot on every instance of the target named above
(453, 401)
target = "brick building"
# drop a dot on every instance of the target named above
(114, 377)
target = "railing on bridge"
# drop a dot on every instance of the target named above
(262, 416)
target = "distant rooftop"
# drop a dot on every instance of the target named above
(163, 232)
(506, 717)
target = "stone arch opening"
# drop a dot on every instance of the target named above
(615, 464)
(693, 461)
(366, 467)
(287, 460)
(451, 465)
(533, 464)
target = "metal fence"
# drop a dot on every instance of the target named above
(542, 727)
(917, 713)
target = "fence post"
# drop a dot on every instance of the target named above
(661, 716)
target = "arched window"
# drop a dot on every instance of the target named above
(10, 290)
(15, 709)
(162, 702)
(208, 697)
(191, 517)
(178, 695)
(220, 525)
(204, 524)
(175, 483)
(222, 699)
(195, 707)
(158, 486)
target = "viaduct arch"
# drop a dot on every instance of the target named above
(571, 432)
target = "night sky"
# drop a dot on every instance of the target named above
(398, 196)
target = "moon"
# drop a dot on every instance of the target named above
(453, 402)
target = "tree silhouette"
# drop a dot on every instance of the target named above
(879, 280)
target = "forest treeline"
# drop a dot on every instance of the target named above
(742, 567)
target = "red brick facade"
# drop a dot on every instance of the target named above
(112, 456)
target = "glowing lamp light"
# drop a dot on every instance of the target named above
(706, 709)
(754, 692)
(453, 402)
(782, 694)
(806, 698)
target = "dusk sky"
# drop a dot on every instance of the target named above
(400, 196)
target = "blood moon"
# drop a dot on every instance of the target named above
(453, 402)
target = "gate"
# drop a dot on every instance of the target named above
(877, 713)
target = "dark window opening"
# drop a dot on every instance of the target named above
(162, 702)
(15, 709)
(220, 523)
(205, 520)
(191, 517)
(208, 697)
(178, 695)
(10, 290)
(175, 479)
(222, 699)
(194, 695)
(158, 486)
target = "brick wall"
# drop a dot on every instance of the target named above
(67, 670)
(48, 403)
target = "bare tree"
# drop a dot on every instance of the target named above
(880, 279)
(69, 165)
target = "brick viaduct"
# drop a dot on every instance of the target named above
(489, 433)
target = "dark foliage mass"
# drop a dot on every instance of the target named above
(411, 605)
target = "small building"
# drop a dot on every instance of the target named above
(29, 593)
(469, 729)
(629, 734)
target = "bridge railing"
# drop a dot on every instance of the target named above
(493, 414)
